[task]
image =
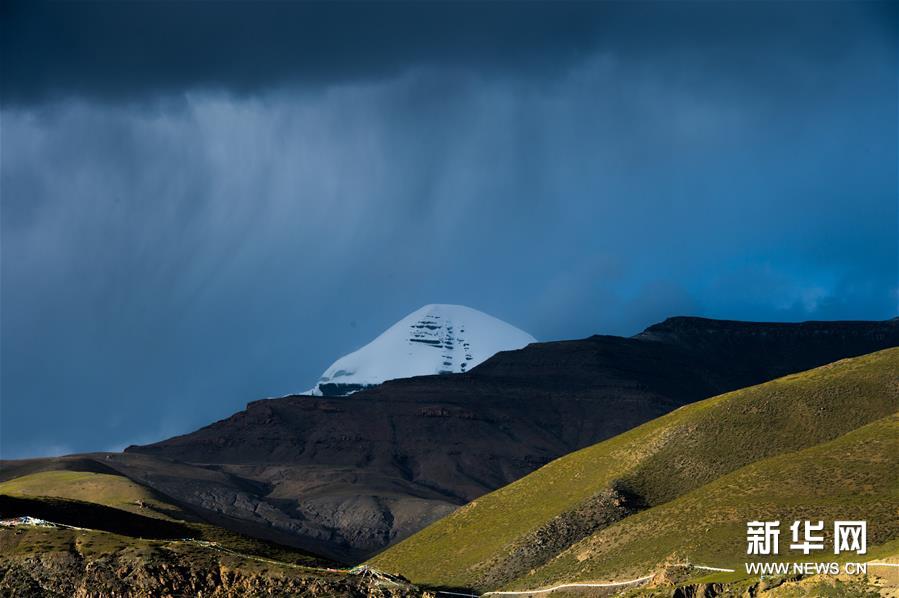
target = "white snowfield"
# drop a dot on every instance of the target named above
(434, 339)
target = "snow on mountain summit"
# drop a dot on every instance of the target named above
(434, 339)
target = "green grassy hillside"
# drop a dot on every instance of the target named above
(488, 542)
(105, 489)
(113, 503)
(855, 477)
(97, 517)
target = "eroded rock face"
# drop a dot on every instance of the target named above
(776, 587)
(536, 548)
(70, 574)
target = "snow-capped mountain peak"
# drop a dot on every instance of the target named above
(434, 339)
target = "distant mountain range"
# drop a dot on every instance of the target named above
(346, 476)
(435, 339)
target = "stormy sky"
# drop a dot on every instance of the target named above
(206, 203)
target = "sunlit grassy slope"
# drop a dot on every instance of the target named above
(67, 497)
(855, 477)
(129, 527)
(105, 489)
(658, 461)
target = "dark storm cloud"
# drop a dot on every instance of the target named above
(207, 203)
(135, 50)
(126, 49)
